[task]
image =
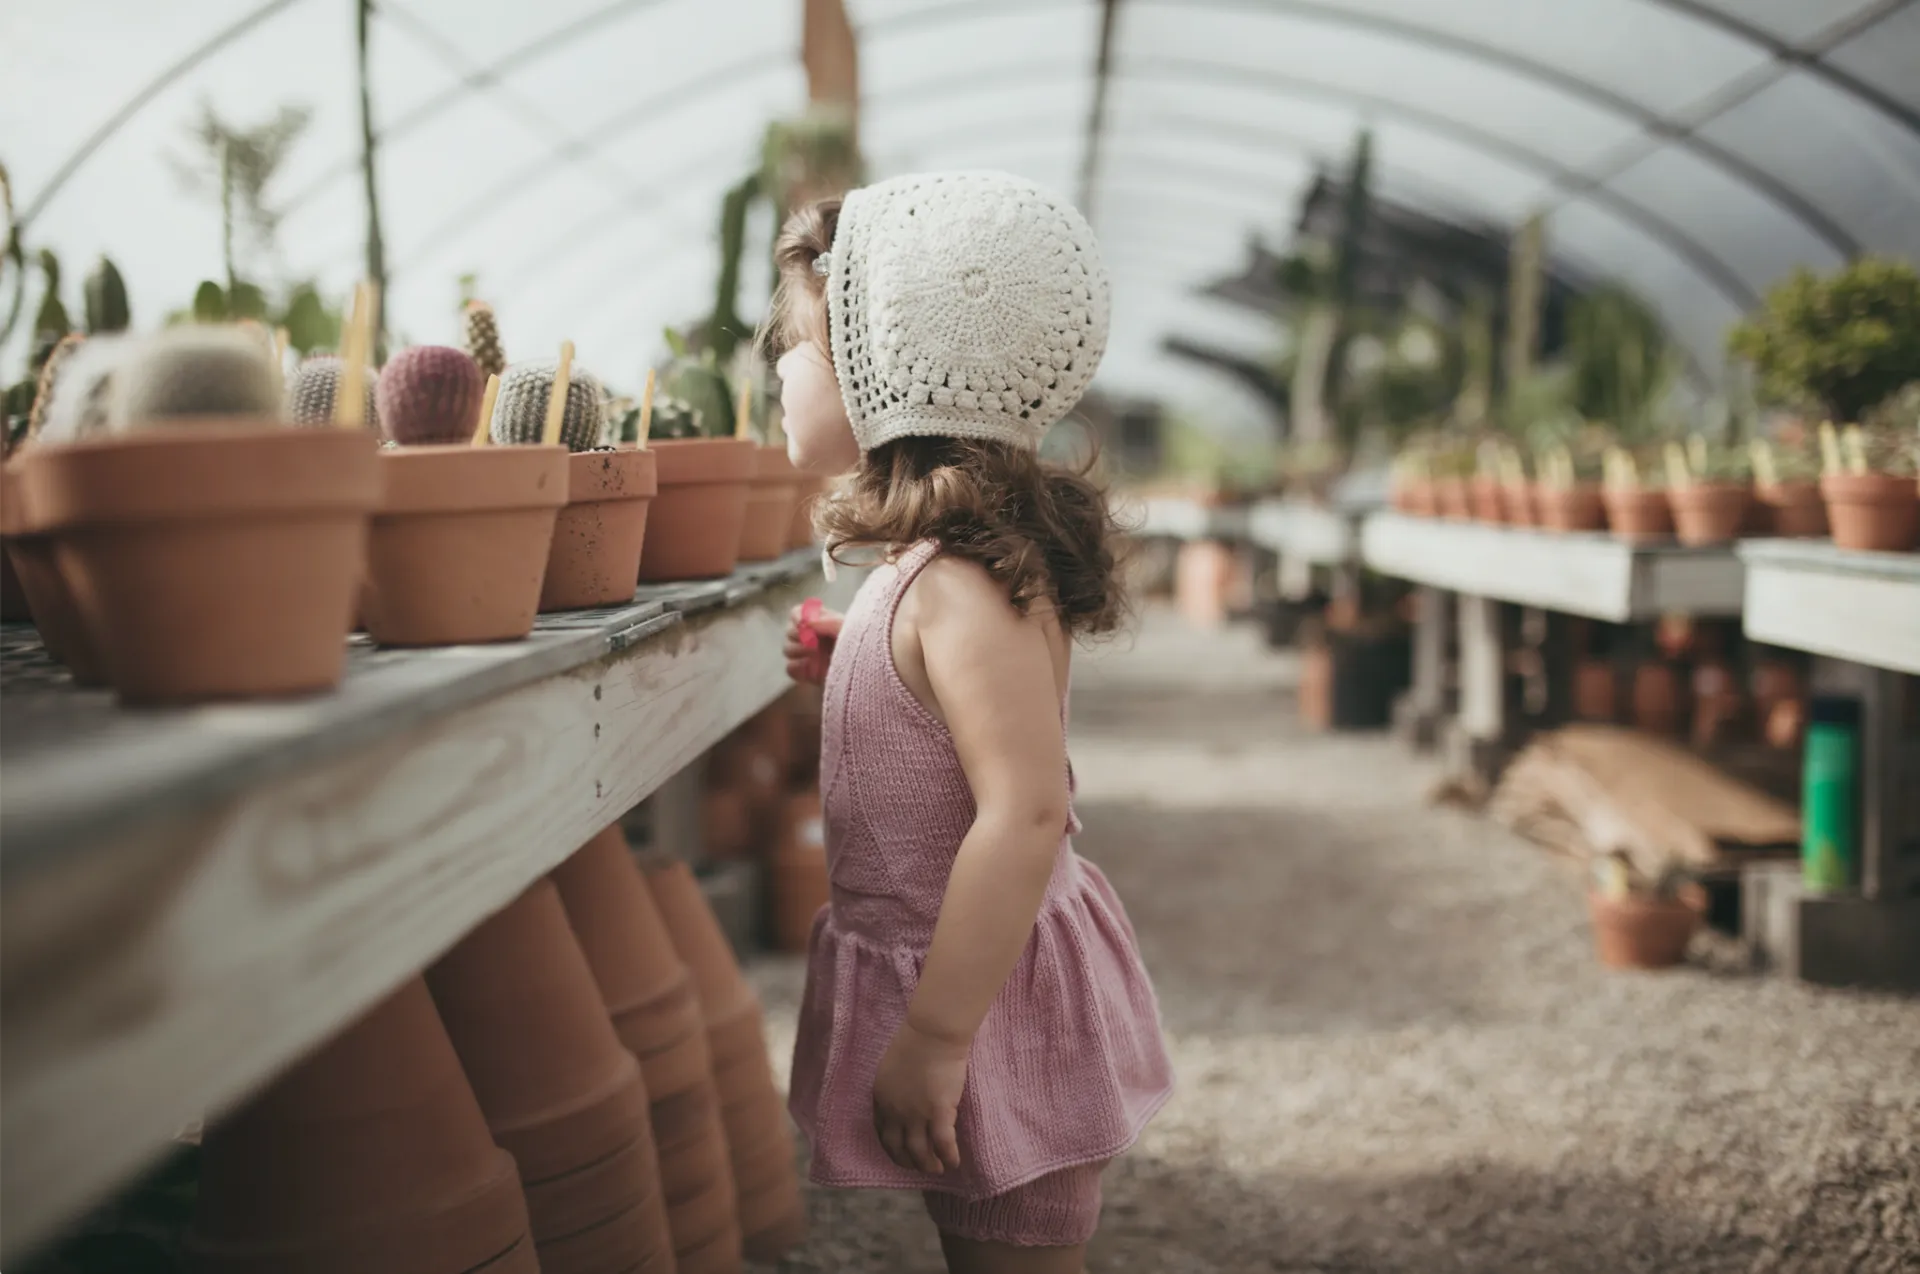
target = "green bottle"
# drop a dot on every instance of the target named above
(1829, 844)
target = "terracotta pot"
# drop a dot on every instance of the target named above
(1203, 578)
(697, 1159)
(797, 886)
(1419, 498)
(13, 598)
(459, 546)
(627, 1180)
(1483, 495)
(615, 1246)
(55, 613)
(521, 1258)
(620, 932)
(1575, 508)
(599, 532)
(1784, 723)
(701, 510)
(526, 1017)
(1517, 499)
(1656, 705)
(1794, 510)
(1637, 514)
(209, 561)
(698, 938)
(1596, 695)
(1454, 498)
(726, 823)
(1644, 933)
(774, 1221)
(702, 1216)
(718, 1255)
(771, 498)
(771, 730)
(807, 494)
(1717, 704)
(1872, 511)
(369, 1155)
(1710, 512)
(1774, 680)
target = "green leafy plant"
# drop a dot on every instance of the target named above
(1620, 363)
(1836, 344)
(106, 300)
(695, 398)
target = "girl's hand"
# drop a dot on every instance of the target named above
(811, 633)
(916, 1100)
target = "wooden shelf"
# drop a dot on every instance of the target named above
(1185, 519)
(1322, 534)
(1809, 595)
(195, 898)
(1593, 575)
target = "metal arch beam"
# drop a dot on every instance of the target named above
(1789, 200)
(1097, 112)
(1813, 63)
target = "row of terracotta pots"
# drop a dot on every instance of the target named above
(1865, 511)
(229, 560)
(1705, 700)
(580, 1087)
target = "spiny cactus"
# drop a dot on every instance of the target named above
(520, 412)
(429, 394)
(193, 371)
(483, 340)
(106, 297)
(82, 392)
(310, 392)
(673, 418)
(49, 374)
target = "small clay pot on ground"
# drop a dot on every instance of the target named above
(598, 535)
(208, 560)
(1483, 494)
(1874, 512)
(1517, 499)
(726, 822)
(808, 491)
(532, 1031)
(460, 544)
(1709, 512)
(1642, 932)
(1575, 508)
(1793, 510)
(369, 1155)
(700, 511)
(1638, 515)
(771, 497)
(1455, 500)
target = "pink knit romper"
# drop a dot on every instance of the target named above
(1068, 1065)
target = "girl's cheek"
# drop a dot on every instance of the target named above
(818, 435)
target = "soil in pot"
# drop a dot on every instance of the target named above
(1483, 494)
(1656, 700)
(1455, 500)
(1517, 499)
(460, 544)
(1872, 511)
(526, 1017)
(1638, 515)
(1710, 512)
(209, 560)
(1642, 932)
(599, 533)
(371, 1154)
(771, 497)
(807, 494)
(1794, 510)
(1575, 508)
(701, 510)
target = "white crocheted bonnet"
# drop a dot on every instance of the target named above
(963, 304)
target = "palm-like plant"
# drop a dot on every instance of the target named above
(235, 166)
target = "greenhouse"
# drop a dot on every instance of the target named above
(546, 546)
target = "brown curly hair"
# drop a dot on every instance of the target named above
(1041, 531)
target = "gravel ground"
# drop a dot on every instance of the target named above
(1395, 1050)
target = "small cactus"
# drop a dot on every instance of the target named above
(106, 298)
(193, 371)
(50, 373)
(310, 392)
(429, 394)
(82, 393)
(520, 411)
(483, 340)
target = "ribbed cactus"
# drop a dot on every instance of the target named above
(106, 298)
(520, 412)
(82, 392)
(193, 371)
(310, 392)
(483, 340)
(49, 374)
(429, 394)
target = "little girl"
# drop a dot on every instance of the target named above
(977, 1024)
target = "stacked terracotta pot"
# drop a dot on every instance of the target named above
(372, 1155)
(651, 999)
(559, 1090)
(772, 1218)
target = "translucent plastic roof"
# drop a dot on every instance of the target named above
(572, 153)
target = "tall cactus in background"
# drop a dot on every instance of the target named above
(106, 299)
(483, 339)
(51, 324)
(1328, 289)
(376, 245)
(725, 328)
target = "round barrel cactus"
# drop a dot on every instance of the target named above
(428, 395)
